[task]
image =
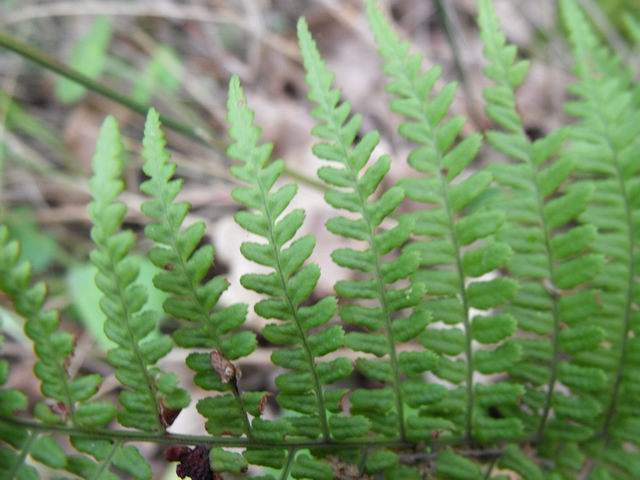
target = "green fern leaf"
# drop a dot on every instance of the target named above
(606, 143)
(448, 225)
(147, 389)
(550, 264)
(353, 186)
(185, 264)
(291, 281)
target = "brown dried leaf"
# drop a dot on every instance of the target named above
(224, 368)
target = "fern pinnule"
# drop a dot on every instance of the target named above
(551, 257)
(606, 142)
(383, 326)
(300, 331)
(455, 242)
(185, 265)
(148, 391)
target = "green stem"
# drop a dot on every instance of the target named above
(453, 238)
(126, 436)
(386, 313)
(178, 439)
(199, 135)
(104, 465)
(196, 299)
(24, 451)
(41, 58)
(291, 455)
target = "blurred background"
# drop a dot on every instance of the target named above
(178, 56)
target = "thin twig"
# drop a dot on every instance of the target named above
(41, 58)
(44, 60)
(158, 9)
(453, 32)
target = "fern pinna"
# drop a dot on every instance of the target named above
(352, 187)
(148, 392)
(185, 264)
(454, 235)
(552, 259)
(607, 140)
(288, 286)
(488, 327)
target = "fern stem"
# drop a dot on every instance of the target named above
(363, 462)
(126, 436)
(294, 312)
(393, 356)
(555, 309)
(104, 464)
(65, 383)
(546, 235)
(231, 442)
(491, 466)
(204, 138)
(291, 455)
(243, 408)
(605, 433)
(24, 452)
(325, 104)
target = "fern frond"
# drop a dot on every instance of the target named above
(455, 242)
(606, 142)
(551, 257)
(301, 329)
(185, 264)
(383, 324)
(148, 391)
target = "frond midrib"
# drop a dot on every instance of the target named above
(106, 462)
(294, 312)
(202, 310)
(24, 452)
